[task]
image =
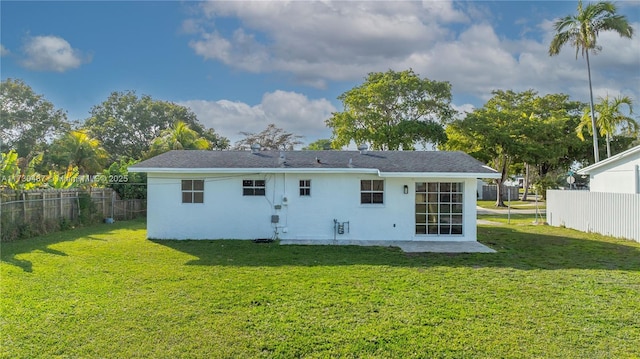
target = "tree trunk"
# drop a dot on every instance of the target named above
(608, 145)
(525, 183)
(504, 165)
(596, 155)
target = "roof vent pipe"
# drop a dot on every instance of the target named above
(363, 148)
(255, 148)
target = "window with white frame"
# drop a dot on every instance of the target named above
(192, 191)
(439, 208)
(253, 187)
(371, 191)
(305, 187)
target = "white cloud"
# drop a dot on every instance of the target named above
(463, 109)
(318, 42)
(51, 53)
(4, 51)
(290, 111)
(445, 11)
(213, 46)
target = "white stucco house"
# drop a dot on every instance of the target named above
(314, 196)
(616, 174)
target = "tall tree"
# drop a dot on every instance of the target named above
(393, 110)
(323, 144)
(27, 120)
(78, 148)
(515, 128)
(178, 137)
(271, 138)
(610, 119)
(581, 30)
(128, 185)
(126, 124)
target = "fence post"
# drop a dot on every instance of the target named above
(509, 205)
(24, 206)
(78, 203)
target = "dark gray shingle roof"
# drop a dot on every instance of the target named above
(384, 161)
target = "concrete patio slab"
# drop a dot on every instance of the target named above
(405, 246)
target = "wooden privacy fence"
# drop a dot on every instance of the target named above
(613, 214)
(490, 193)
(42, 206)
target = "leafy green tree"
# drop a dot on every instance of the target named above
(393, 110)
(323, 144)
(551, 136)
(65, 180)
(126, 124)
(581, 31)
(178, 137)
(514, 128)
(9, 170)
(27, 120)
(77, 148)
(16, 177)
(216, 141)
(610, 119)
(271, 138)
(128, 185)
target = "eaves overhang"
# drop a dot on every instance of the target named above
(374, 171)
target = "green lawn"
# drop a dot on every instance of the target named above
(515, 204)
(106, 291)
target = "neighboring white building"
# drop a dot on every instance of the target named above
(321, 196)
(616, 174)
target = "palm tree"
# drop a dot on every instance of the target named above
(77, 148)
(581, 30)
(178, 137)
(610, 119)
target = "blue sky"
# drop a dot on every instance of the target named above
(242, 65)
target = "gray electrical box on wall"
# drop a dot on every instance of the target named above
(275, 218)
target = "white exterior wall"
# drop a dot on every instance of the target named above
(227, 214)
(479, 184)
(621, 176)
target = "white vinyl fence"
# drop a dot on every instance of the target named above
(612, 214)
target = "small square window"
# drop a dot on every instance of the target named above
(192, 191)
(305, 187)
(371, 191)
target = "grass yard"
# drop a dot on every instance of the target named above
(515, 204)
(106, 291)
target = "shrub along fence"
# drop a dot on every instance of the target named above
(25, 214)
